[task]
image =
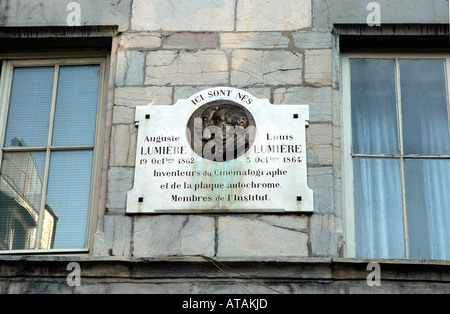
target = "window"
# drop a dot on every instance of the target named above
(50, 115)
(397, 156)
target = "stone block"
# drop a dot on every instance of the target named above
(187, 40)
(281, 15)
(120, 181)
(312, 40)
(268, 236)
(253, 40)
(123, 115)
(318, 67)
(257, 67)
(259, 92)
(173, 235)
(123, 145)
(127, 98)
(318, 99)
(320, 180)
(140, 96)
(130, 68)
(186, 68)
(140, 41)
(322, 235)
(183, 15)
(116, 238)
(319, 138)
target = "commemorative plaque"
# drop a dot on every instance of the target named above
(221, 150)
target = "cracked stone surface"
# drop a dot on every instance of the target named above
(139, 95)
(323, 238)
(319, 100)
(190, 40)
(186, 68)
(318, 67)
(123, 145)
(312, 40)
(173, 235)
(320, 180)
(130, 68)
(264, 236)
(115, 240)
(253, 67)
(127, 98)
(319, 144)
(120, 181)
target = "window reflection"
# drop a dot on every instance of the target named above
(21, 182)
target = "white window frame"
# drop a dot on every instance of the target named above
(8, 62)
(346, 140)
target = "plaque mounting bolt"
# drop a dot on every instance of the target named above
(147, 116)
(299, 198)
(140, 199)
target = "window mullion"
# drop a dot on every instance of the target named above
(376, 156)
(47, 156)
(402, 157)
(5, 87)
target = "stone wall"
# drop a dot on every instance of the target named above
(175, 49)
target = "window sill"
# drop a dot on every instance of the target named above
(44, 252)
(286, 268)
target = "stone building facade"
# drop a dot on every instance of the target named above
(158, 51)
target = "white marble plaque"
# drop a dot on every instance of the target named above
(221, 150)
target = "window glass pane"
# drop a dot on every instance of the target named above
(427, 185)
(20, 199)
(374, 111)
(378, 208)
(68, 196)
(76, 105)
(29, 108)
(424, 107)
